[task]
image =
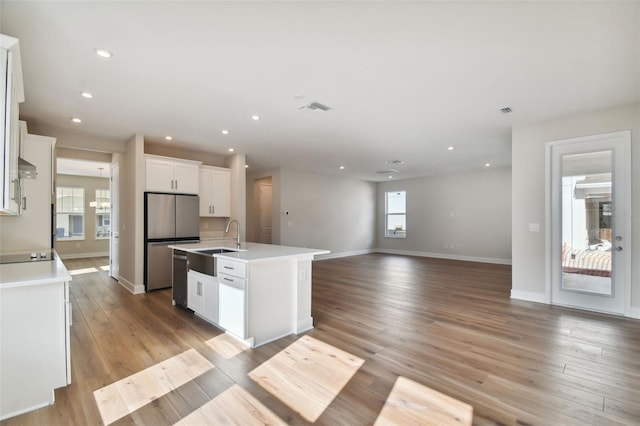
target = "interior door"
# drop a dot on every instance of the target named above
(590, 213)
(265, 213)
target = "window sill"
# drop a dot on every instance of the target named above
(63, 239)
(395, 236)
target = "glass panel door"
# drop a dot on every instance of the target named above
(586, 228)
(589, 253)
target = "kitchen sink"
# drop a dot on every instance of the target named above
(217, 251)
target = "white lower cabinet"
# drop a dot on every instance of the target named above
(258, 301)
(202, 295)
(232, 305)
(34, 337)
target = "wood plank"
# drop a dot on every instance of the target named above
(449, 326)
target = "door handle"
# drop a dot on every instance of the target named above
(618, 248)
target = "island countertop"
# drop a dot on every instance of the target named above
(250, 252)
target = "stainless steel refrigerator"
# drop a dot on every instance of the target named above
(169, 219)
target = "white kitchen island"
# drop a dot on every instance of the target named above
(35, 317)
(262, 292)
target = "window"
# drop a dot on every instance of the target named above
(103, 213)
(396, 214)
(69, 213)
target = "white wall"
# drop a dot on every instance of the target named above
(528, 174)
(471, 210)
(73, 139)
(32, 229)
(238, 192)
(131, 224)
(325, 212)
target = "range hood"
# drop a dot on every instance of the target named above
(26, 170)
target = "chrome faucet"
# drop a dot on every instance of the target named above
(237, 228)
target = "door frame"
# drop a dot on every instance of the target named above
(624, 138)
(114, 239)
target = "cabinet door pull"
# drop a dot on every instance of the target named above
(176, 184)
(228, 267)
(24, 203)
(213, 209)
(199, 291)
(228, 279)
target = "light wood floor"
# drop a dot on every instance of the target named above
(411, 335)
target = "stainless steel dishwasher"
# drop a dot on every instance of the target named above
(179, 278)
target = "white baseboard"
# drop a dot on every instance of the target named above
(82, 255)
(135, 289)
(530, 296)
(446, 256)
(303, 325)
(343, 254)
(634, 312)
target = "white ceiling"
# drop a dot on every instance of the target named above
(405, 80)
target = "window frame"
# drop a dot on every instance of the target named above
(79, 213)
(102, 193)
(397, 233)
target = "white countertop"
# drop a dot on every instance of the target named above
(33, 273)
(250, 252)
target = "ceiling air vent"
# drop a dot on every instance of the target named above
(315, 106)
(395, 162)
(506, 110)
(386, 172)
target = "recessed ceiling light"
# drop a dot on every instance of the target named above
(451, 148)
(341, 167)
(255, 117)
(168, 138)
(231, 150)
(86, 95)
(246, 166)
(390, 177)
(487, 164)
(225, 132)
(76, 120)
(103, 53)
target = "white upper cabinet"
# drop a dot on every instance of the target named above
(215, 191)
(11, 95)
(164, 174)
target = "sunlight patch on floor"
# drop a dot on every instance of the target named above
(412, 403)
(105, 268)
(226, 346)
(131, 393)
(307, 375)
(235, 406)
(82, 271)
